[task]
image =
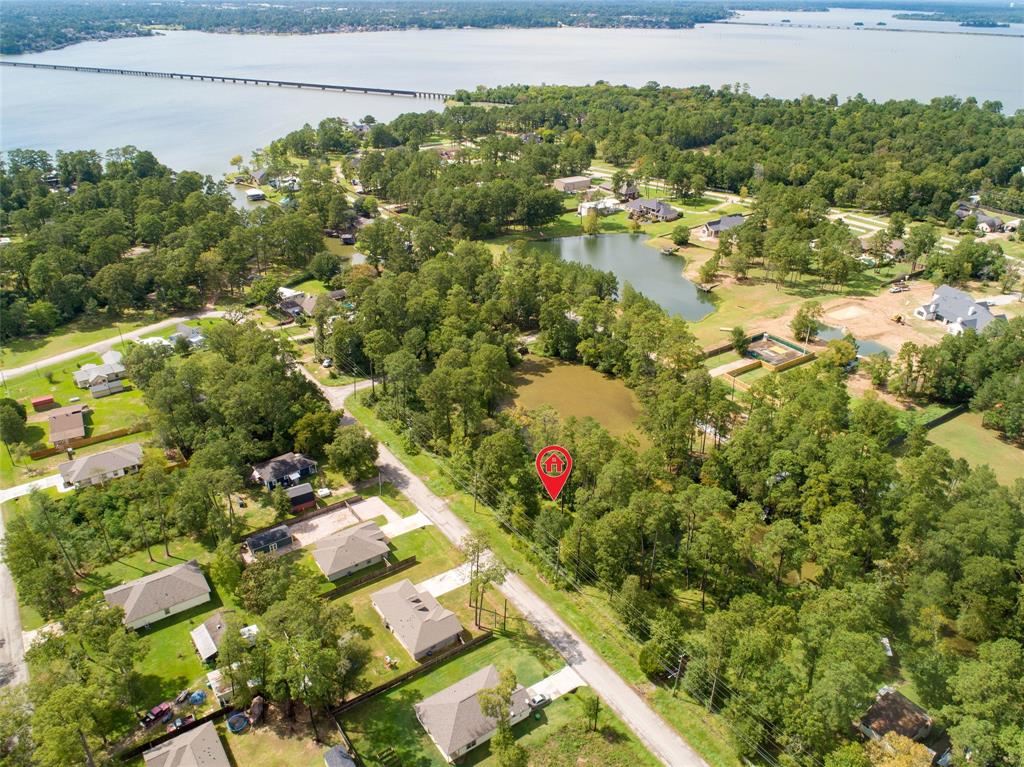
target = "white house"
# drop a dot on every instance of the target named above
(956, 309)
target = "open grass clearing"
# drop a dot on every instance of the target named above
(965, 437)
(81, 332)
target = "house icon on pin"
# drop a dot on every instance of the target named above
(554, 464)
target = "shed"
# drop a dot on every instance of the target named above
(301, 496)
(270, 540)
(42, 403)
(106, 388)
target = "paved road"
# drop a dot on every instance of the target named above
(12, 651)
(101, 346)
(649, 727)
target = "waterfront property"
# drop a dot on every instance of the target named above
(102, 467)
(712, 230)
(646, 209)
(416, 618)
(454, 719)
(154, 597)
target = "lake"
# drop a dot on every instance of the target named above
(657, 276)
(865, 348)
(201, 125)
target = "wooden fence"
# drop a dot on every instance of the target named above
(220, 713)
(929, 425)
(46, 452)
(366, 580)
(423, 668)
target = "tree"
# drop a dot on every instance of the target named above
(66, 725)
(353, 452)
(43, 576)
(739, 340)
(496, 703)
(895, 750)
(681, 235)
(805, 323)
(226, 566)
(708, 270)
(591, 223)
(12, 422)
(264, 583)
(16, 744)
(314, 430)
(590, 707)
(280, 503)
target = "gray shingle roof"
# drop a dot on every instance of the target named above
(282, 466)
(725, 223)
(159, 591)
(337, 553)
(453, 716)
(951, 305)
(115, 459)
(198, 747)
(416, 617)
(88, 373)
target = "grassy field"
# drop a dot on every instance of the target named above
(722, 359)
(88, 330)
(576, 390)
(588, 612)
(966, 438)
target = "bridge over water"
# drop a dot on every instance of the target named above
(233, 79)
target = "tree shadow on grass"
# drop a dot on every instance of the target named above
(389, 721)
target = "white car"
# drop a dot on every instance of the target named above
(324, 492)
(328, 362)
(538, 700)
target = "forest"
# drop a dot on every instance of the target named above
(29, 25)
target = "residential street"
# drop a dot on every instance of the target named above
(101, 346)
(13, 669)
(647, 725)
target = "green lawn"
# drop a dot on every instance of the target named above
(88, 330)
(722, 359)
(966, 438)
(589, 612)
(553, 739)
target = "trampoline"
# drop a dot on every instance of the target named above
(238, 722)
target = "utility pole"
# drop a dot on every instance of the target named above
(679, 672)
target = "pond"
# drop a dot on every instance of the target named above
(657, 276)
(865, 348)
(576, 390)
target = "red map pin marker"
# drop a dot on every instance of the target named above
(553, 466)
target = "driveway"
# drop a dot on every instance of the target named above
(653, 731)
(558, 684)
(53, 480)
(101, 346)
(447, 581)
(406, 524)
(12, 650)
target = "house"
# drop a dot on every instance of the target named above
(571, 184)
(299, 304)
(626, 190)
(67, 423)
(192, 335)
(986, 223)
(107, 388)
(43, 403)
(454, 720)
(284, 470)
(350, 550)
(894, 712)
(101, 467)
(166, 592)
(416, 618)
(713, 229)
(957, 309)
(301, 497)
(603, 207)
(347, 238)
(259, 176)
(269, 541)
(656, 210)
(207, 635)
(198, 747)
(255, 195)
(91, 374)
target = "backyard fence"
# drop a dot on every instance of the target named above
(366, 580)
(308, 515)
(127, 756)
(46, 452)
(929, 425)
(423, 668)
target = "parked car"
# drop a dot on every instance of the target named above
(328, 362)
(323, 492)
(898, 289)
(538, 700)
